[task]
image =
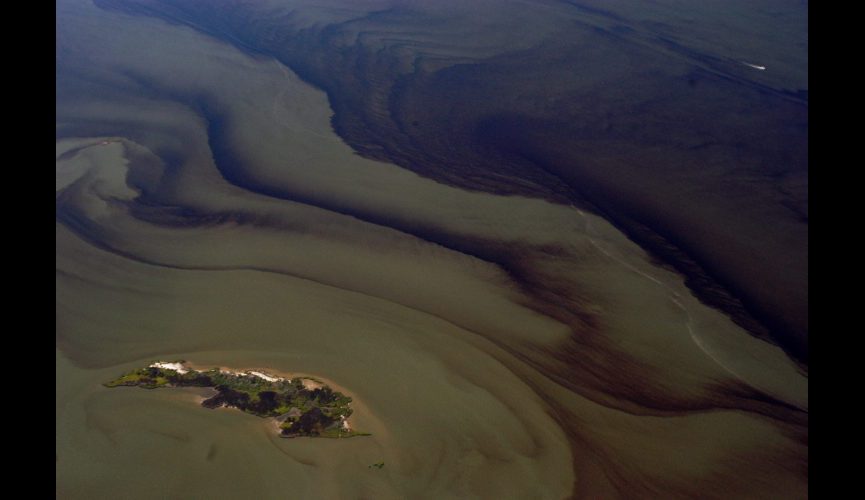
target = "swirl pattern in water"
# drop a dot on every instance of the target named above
(499, 338)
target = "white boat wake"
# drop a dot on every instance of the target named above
(755, 66)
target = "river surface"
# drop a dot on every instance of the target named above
(496, 345)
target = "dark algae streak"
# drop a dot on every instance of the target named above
(695, 155)
(303, 411)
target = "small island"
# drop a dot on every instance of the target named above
(303, 405)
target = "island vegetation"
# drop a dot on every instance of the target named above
(305, 406)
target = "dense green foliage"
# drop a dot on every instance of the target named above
(307, 412)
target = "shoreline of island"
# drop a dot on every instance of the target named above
(301, 405)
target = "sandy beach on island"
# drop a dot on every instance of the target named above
(310, 381)
(608, 380)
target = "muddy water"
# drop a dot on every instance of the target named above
(615, 382)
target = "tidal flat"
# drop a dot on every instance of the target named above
(495, 345)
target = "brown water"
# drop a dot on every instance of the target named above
(470, 386)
